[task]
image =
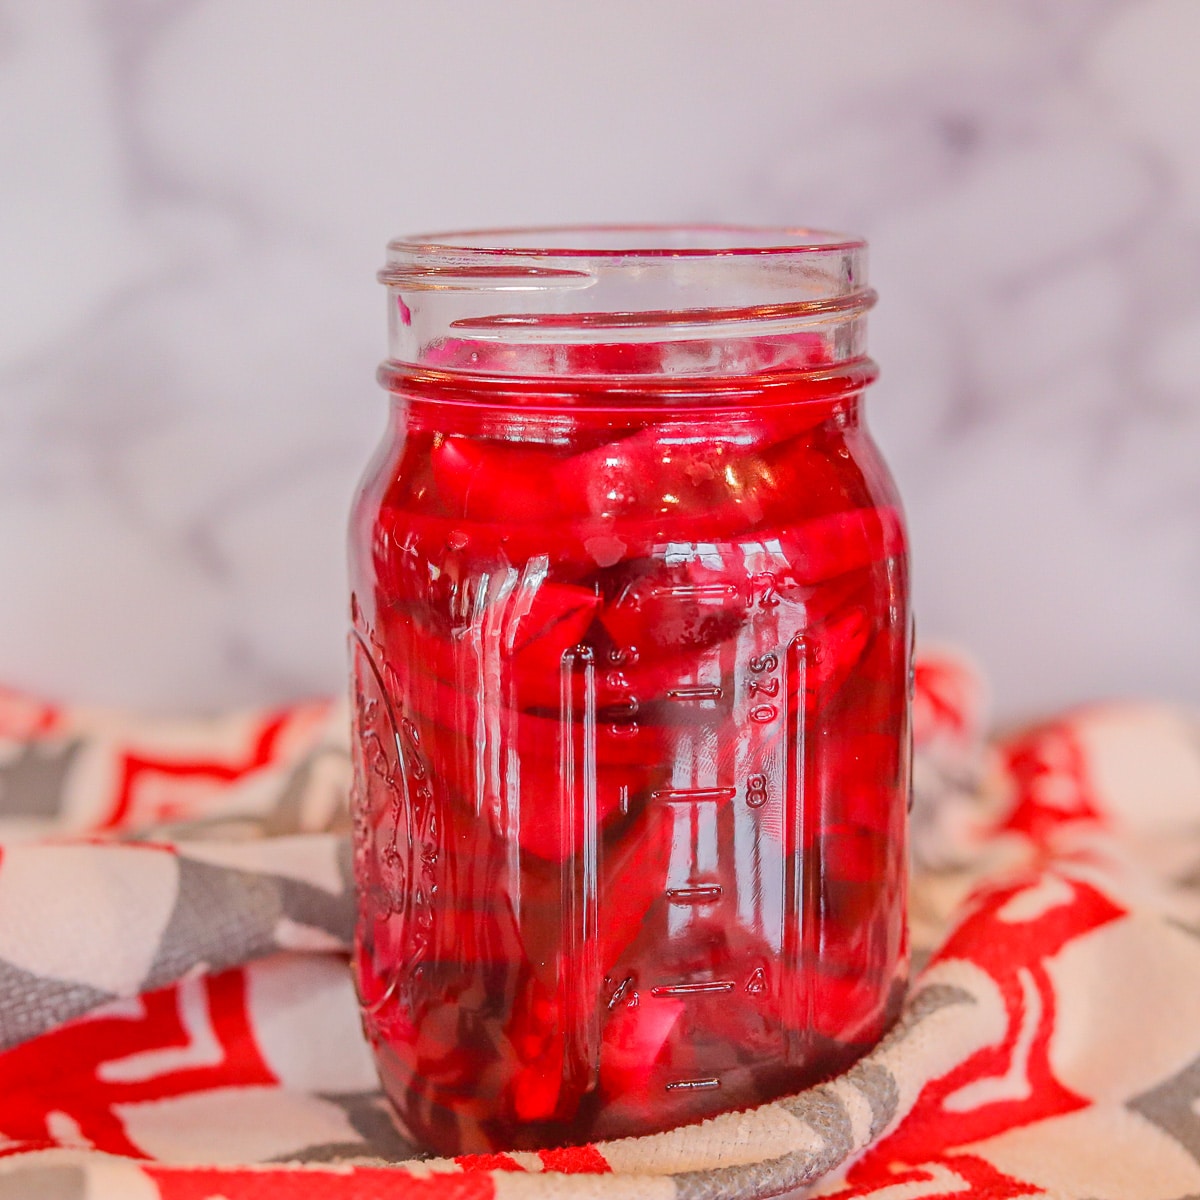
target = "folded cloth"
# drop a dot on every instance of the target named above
(177, 1018)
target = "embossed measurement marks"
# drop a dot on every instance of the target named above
(763, 699)
(699, 692)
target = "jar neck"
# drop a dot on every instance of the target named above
(703, 309)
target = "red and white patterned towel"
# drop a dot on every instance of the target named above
(177, 1019)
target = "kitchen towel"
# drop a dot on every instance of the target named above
(177, 1018)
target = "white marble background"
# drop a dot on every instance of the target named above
(194, 196)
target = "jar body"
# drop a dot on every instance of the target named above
(630, 692)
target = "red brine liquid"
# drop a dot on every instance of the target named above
(631, 689)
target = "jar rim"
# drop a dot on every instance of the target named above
(650, 240)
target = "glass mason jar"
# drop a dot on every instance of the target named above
(630, 657)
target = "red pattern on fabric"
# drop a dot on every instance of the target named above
(575, 1160)
(23, 717)
(566, 1160)
(1009, 951)
(358, 1183)
(488, 1162)
(137, 767)
(983, 1180)
(60, 1072)
(942, 691)
(1051, 781)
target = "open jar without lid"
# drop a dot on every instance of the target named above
(630, 669)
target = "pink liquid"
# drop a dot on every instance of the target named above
(631, 734)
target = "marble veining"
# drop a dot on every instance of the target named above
(196, 194)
